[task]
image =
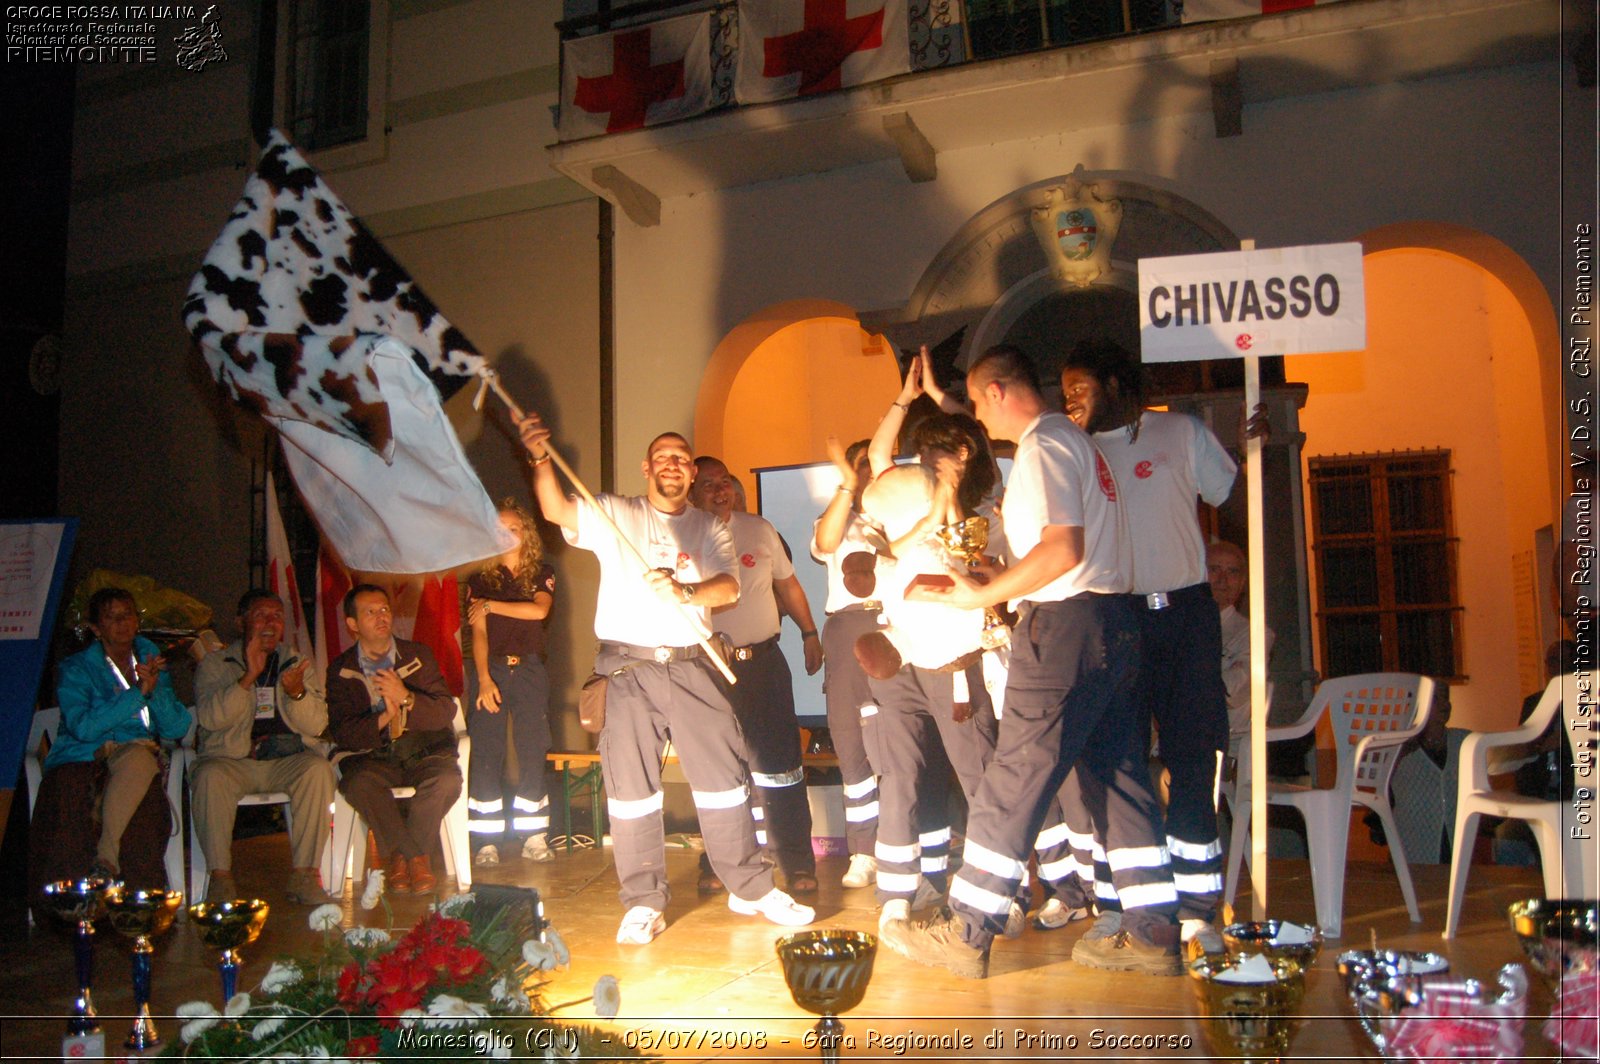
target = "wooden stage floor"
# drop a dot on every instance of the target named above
(712, 977)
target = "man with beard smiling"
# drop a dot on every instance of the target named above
(659, 681)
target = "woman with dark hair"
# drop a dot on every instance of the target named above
(509, 599)
(117, 703)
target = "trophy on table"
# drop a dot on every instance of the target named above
(138, 915)
(1251, 1004)
(227, 926)
(80, 902)
(827, 972)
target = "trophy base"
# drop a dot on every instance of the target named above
(91, 1046)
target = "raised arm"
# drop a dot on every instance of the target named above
(835, 520)
(930, 384)
(557, 507)
(880, 452)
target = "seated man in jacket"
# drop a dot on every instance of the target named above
(116, 704)
(392, 718)
(257, 705)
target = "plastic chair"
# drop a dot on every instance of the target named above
(199, 874)
(1568, 864)
(347, 845)
(44, 725)
(1373, 714)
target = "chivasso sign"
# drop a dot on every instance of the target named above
(1272, 301)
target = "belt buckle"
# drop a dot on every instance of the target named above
(513, 660)
(663, 655)
(1157, 600)
(743, 653)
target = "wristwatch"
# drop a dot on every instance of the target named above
(686, 592)
(408, 701)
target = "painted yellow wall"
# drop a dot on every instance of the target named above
(1452, 362)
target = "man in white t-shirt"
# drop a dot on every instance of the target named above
(763, 699)
(1162, 462)
(1074, 656)
(649, 622)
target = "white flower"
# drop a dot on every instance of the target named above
(374, 891)
(539, 955)
(201, 1016)
(325, 917)
(607, 997)
(366, 937)
(501, 1051)
(558, 946)
(409, 1017)
(452, 906)
(447, 1010)
(562, 1050)
(315, 1053)
(237, 1005)
(280, 976)
(504, 992)
(261, 1030)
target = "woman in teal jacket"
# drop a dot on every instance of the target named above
(116, 703)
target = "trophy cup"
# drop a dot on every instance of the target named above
(1250, 1007)
(968, 540)
(139, 914)
(81, 902)
(1559, 937)
(1411, 1015)
(1275, 940)
(227, 926)
(827, 972)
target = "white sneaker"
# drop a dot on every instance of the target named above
(640, 926)
(536, 849)
(863, 871)
(1196, 930)
(1016, 920)
(486, 855)
(1054, 914)
(776, 906)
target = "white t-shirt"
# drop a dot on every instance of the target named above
(854, 541)
(1174, 459)
(1059, 478)
(693, 544)
(927, 634)
(1236, 667)
(762, 560)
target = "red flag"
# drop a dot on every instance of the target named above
(281, 578)
(333, 581)
(800, 47)
(438, 626)
(641, 76)
(1211, 10)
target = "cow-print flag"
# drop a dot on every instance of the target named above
(304, 318)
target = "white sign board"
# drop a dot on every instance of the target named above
(1275, 301)
(27, 562)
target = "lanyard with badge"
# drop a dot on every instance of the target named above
(267, 686)
(144, 710)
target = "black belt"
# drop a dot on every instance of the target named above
(660, 655)
(961, 664)
(864, 604)
(748, 653)
(1160, 600)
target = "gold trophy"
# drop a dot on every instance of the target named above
(1559, 937)
(1249, 1016)
(968, 540)
(1269, 937)
(139, 914)
(827, 972)
(80, 902)
(227, 926)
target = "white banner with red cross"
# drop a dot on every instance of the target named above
(636, 77)
(1211, 10)
(800, 47)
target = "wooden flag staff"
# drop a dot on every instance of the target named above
(491, 380)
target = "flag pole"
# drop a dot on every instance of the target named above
(491, 380)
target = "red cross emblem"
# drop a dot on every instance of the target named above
(633, 84)
(817, 51)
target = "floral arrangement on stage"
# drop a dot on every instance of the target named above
(468, 980)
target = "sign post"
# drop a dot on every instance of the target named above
(1245, 304)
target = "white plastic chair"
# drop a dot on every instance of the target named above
(1569, 864)
(347, 845)
(199, 873)
(1373, 714)
(45, 723)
